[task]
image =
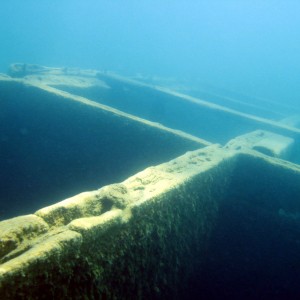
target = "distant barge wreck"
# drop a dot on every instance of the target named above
(167, 195)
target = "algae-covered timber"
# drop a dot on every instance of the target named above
(160, 233)
(218, 222)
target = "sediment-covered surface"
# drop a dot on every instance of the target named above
(213, 222)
